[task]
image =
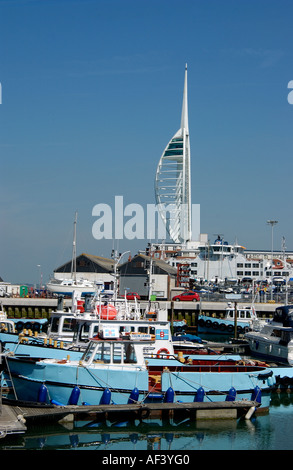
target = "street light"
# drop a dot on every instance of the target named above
(272, 223)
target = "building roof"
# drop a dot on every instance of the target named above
(139, 265)
(88, 264)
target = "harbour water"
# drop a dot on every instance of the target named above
(272, 431)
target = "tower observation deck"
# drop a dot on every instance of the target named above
(172, 180)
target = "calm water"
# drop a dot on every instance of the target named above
(273, 431)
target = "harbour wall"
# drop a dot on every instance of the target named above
(41, 308)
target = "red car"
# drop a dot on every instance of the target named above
(189, 295)
(132, 296)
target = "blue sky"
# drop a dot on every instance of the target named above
(91, 94)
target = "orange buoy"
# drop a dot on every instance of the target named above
(108, 312)
(80, 306)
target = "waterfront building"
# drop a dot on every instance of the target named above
(221, 261)
(147, 276)
(90, 267)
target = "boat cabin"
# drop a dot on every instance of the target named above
(280, 334)
(244, 313)
(114, 353)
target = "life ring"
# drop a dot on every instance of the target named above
(164, 351)
(108, 312)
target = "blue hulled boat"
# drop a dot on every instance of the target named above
(246, 319)
(116, 371)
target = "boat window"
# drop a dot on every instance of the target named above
(103, 353)
(152, 330)
(95, 331)
(6, 327)
(143, 329)
(9, 327)
(54, 325)
(130, 356)
(89, 351)
(84, 332)
(118, 353)
(69, 324)
(121, 353)
(285, 337)
(126, 329)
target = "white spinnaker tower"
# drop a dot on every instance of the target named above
(172, 182)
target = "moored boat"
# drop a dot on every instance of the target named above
(275, 339)
(246, 319)
(116, 371)
(68, 286)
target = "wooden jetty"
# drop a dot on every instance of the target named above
(17, 414)
(11, 421)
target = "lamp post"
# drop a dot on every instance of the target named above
(272, 223)
(39, 266)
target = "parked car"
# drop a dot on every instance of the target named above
(132, 296)
(188, 296)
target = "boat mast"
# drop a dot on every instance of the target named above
(73, 261)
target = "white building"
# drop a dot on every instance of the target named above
(220, 261)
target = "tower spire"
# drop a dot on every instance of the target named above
(184, 115)
(172, 183)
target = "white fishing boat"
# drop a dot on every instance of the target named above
(70, 331)
(274, 341)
